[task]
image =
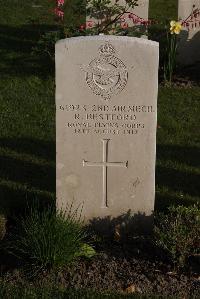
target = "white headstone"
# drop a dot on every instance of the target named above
(142, 10)
(189, 46)
(106, 103)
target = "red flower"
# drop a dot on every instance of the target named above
(60, 2)
(89, 24)
(124, 25)
(59, 13)
(82, 27)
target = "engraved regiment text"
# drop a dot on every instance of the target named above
(105, 119)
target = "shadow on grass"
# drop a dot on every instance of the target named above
(128, 235)
(179, 181)
(16, 51)
(36, 147)
(181, 154)
(27, 173)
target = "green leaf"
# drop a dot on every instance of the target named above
(87, 251)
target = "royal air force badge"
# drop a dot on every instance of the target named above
(106, 75)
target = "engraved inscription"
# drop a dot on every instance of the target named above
(106, 119)
(105, 164)
(106, 75)
(136, 183)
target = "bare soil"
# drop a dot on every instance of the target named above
(124, 270)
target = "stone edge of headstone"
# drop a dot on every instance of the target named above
(108, 37)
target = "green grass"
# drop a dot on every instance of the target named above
(178, 147)
(162, 9)
(27, 123)
(27, 139)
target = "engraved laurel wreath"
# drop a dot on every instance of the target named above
(106, 75)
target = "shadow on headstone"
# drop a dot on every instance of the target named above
(123, 226)
(189, 48)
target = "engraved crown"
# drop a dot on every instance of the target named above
(106, 49)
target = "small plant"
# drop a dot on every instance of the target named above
(171, 51)
(110, 18)
(46, 43)
(178, 233)
(108, 15)
(47, 240)
(63, 28)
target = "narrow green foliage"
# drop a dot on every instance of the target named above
(178, 233)
(45, 239)
(46, 44)
(170, 57)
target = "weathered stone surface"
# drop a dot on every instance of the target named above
(106, 101)
(142, 10)
(189, 46)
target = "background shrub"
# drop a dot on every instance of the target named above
(178, 233)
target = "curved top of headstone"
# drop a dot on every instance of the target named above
(109, 38)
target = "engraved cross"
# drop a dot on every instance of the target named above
(105, 164)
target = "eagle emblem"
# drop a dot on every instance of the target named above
(106, 75)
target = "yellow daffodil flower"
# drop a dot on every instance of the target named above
(175, 27)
